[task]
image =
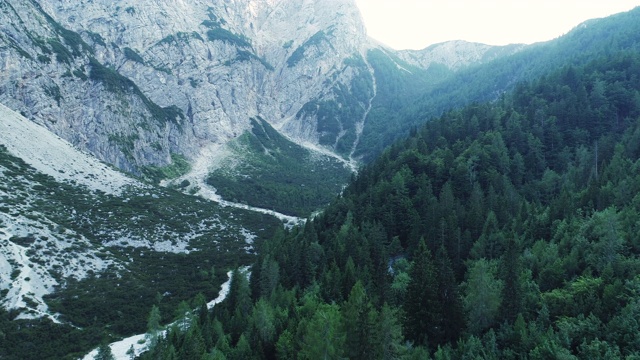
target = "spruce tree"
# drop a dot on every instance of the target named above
(153, 326)
(483, 295)
(359, 319)
(422, 307)
(390, 340)
(104, 352)
(324, 338)
(512, 290)
(452, 320)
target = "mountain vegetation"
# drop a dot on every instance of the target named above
(501, 230)
(395, 112)
(278, 174)
(122, 232)
(495, 217)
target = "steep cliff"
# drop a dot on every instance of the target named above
(135, 81)
(140, 84)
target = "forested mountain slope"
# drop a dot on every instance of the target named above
(388, 121)
(502, 230)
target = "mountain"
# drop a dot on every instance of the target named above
(153, 84)
(457, 54)
(391, 120)
(268, 108)
(169, 80)
(80, 237)
(505, 229)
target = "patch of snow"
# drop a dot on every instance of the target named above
(51, 155)
(224, 291)
(249, 237)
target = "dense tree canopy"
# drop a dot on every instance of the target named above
(530, 205)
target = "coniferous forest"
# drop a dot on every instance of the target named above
(502, 230)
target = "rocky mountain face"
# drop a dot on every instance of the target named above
(138, 84)
(457, 54)
(134, 82)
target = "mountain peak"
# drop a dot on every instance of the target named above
(457, 54)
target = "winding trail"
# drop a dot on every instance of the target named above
(120, 348)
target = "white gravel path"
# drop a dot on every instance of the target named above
(120, 348)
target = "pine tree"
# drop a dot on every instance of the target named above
(452, 320)
(349, 277)
(263, 320)
(389, 332)
(153, 326)
(285, 347)
(104, 352)
(512, 290)
(483, 295)
(323, 338)
(238, 304)
(183, 315)
(359, 318)
(269, 276)
(242, 351)
(422, 306)
(193, 346)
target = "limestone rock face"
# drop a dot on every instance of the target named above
(134, 82)
(99, 73)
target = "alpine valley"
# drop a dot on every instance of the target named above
(149, 147)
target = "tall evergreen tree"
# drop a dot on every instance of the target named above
(452, 316)
(359, 318)
(483, 295)
(153, 326)
(104, 352)
(423, 310)
(324, 338)
(193, 346)
(510, 273)
(390, 340)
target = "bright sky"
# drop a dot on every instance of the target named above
(416, 24)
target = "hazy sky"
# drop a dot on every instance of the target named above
(416, 24)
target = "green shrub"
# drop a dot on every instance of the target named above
(132, 55)
(298, 54)
(219, 34)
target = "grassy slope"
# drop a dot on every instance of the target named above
(278, 174)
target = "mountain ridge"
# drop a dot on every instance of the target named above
(252, 59)
(456, 54)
